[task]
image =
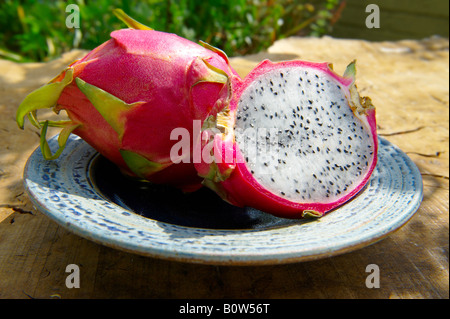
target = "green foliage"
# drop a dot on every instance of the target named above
(33, 30)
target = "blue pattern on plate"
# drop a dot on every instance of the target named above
(68, 190)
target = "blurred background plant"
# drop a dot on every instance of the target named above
(33, 30)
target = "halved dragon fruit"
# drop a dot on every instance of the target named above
(126, 96)
(297, 140)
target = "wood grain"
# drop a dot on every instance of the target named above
(401, 19)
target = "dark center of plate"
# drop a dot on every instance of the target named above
(199, 209)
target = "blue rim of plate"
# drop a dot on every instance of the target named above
(65, 190)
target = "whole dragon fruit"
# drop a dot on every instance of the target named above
(296, 141)
(126, 96)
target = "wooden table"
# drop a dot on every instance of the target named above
(408, 82)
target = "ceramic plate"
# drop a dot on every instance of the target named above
(86, 194)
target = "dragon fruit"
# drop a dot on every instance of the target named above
(297, 140)
(293, 139)
(126, 96)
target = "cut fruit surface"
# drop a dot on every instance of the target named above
(311, 147)
(305, 141)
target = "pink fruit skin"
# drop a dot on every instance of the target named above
(241, 189)
(158, 69)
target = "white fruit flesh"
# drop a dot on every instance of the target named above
(299, 136)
